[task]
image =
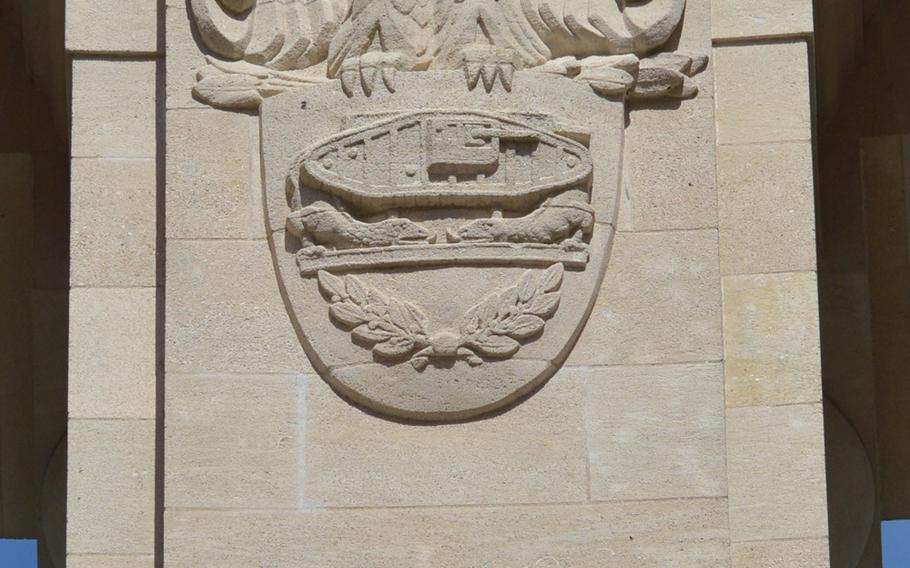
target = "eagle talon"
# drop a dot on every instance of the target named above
(366, 69)
(484, 63)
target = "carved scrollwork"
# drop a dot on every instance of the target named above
(494, 328)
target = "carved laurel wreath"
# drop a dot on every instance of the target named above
(397, 329)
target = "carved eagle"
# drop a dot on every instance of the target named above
(289, 40)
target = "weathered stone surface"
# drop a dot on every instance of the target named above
(378, 231)
(532, 453)
(231, 441)
(112, 353)
(113, 230)
(654, 432)
(782, 554)
(776, 471)
(771, 339)
(112, 26)
(97, 561)
(111, 487)
(213, 184)
(762, 92)
(184, 57)
(670, 168)
(113, 109)
(660, 302)
(224, 312)
(760, 18)
(689, 533)
(766, 200)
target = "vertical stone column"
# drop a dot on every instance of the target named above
(775, 442)
(111, 506)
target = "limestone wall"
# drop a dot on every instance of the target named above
(683, 429)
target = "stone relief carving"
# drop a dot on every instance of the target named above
(260, 48)
(443, 174)
(492, 328)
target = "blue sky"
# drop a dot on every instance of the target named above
(18, 553)
(896, 544)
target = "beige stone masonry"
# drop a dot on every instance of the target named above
(112, 26)
(533, 453)
(746, 19)
(781, 554)
(113, 108)
(231, 441)
(660, 302)
(675, 414)
(766, 191)
(670, 166)
(223, 311)
(771, 339)
(776, 469)
(212, 167)
(113, 232)
(111, 487)
(112, 353)
(762, 92)
(97, 561)
(693, 533)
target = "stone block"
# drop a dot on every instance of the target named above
(690, 533)
(742, 19)
(532, 453)
(114, 109)
(671, 166)
(113, 223)
(112, 26)
(185, 56)
(762, 92)
(231, 441)
(766, 202)
(112, 353)
(96, 561)
(213, 185)
(655, 432)
(660, 302)
(776, 473)
(771, 339)
(111, 487)
(782, 554)
(224, 312)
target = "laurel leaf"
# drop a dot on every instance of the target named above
(356, 289)
(551, 279)
(399, 315)
(526, 286)
(496, 345)
(364, 333)
(348, 314)
(544, 305)
(421, 321)
(525, 326)
(507, 301)
(487, 311)
(393, 348)
(470, 321)
(331, 285)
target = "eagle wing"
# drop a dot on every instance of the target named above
(283, 36)
(598, 27)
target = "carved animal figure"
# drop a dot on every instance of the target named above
(362, 40)
(320, 225)
(556, 221)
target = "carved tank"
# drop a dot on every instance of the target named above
(446, 159)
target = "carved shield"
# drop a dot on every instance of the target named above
(439, 248)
